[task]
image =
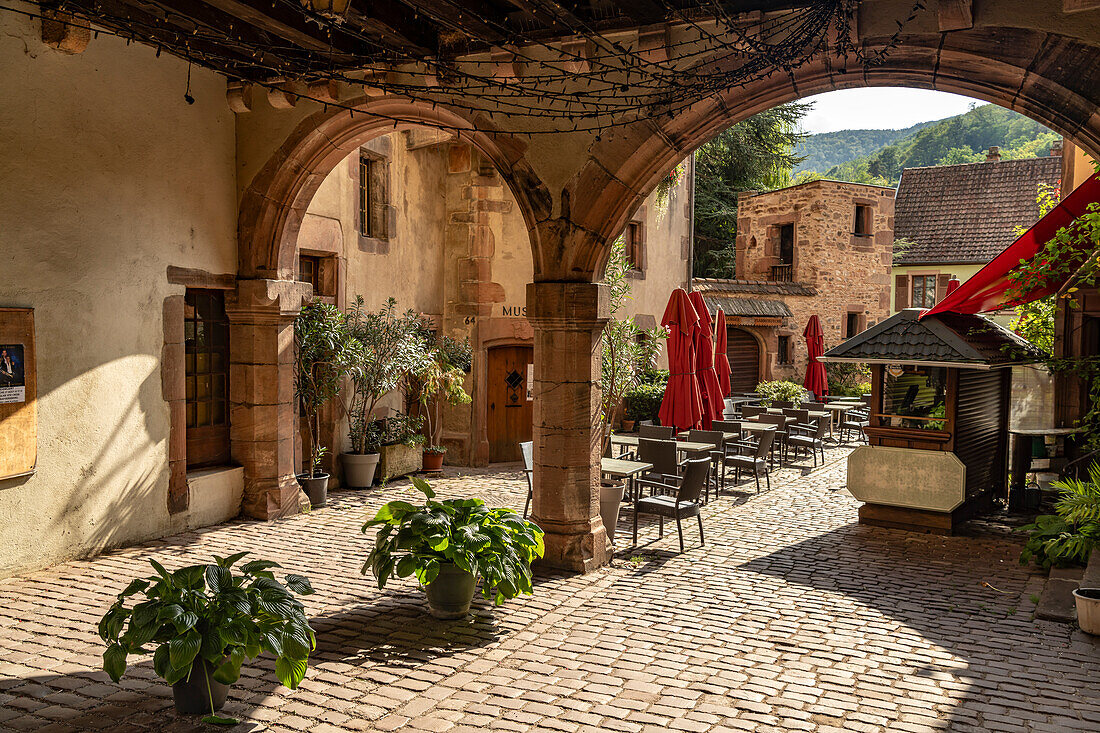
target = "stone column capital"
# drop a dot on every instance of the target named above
(568, 306)
(260, 301)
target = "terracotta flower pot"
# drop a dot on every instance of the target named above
(628, 426)
(191, 694)
(433, 461)
(450, 594)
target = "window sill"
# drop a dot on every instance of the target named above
(374, 245)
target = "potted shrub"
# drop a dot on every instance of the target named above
(784, 391)
(449, 546)
(625, 350)
(401, 452)
(324, 353)
(442, 378)
(643, 402)
(202, 621)
(388, 349)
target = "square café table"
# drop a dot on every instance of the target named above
(624, 469)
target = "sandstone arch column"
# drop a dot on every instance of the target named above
(263, 413)
(568, 318)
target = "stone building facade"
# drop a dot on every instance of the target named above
(822, 247)
(425, 219)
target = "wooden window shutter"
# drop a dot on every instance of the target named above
(941, 286)
(379, 200)
(901, 292)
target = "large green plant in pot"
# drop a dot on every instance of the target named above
(449, 545)
(202, 621)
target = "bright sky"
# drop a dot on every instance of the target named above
(880, 108)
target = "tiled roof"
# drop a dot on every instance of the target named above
(755, 287)
(945, 337)
(968, 213)
(746, 307)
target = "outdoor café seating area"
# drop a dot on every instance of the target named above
(672, 473)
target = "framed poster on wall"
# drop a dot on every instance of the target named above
(18, 393)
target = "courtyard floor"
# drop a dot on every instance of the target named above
(793, 617)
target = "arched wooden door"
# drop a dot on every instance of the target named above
(510, 413)
(743, 351)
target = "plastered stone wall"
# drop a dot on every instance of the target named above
(848, 272)
(104, 185)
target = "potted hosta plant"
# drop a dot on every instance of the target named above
(388, 349)
(202, 621)
(449, 545)
(324, 354)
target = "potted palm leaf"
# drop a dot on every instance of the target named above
(387, 349)
(449, 546)
(202, 622)
(324, 354)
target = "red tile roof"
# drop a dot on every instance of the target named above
(968, 213)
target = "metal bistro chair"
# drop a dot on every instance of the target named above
(661, 432)
(751, 456)
(854, 421)
(810, 436)
(663, 455)
(716, 456)
(682, 503)
(527, 450)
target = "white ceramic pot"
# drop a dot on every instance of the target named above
(359, 469)
(611, 499)
(1088, 609)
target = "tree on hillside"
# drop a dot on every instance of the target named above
(755, 154)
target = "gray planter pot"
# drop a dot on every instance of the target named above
(359, 469)
(191, 695)
(316, 488)
(450, 594)
(611, 500)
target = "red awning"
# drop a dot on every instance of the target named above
(986, 291)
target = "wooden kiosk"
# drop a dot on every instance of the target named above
(937, 450)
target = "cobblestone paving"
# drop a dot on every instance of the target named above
(793, 617)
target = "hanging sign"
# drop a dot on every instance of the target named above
(18, 393)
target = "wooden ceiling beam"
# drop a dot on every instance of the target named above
(470, 22)
(286, 23)
(395, 29)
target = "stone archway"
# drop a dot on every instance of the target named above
(263, 308)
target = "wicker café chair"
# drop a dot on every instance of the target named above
(527, 450)
(663, 455)
(662, 432)
(810, 436)
(751, 456)
(676, 500)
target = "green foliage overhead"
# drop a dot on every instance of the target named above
(964, 138)
(495, 545)
(756, 154)
(212, 613)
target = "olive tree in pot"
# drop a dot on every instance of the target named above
(202, 621)
(441, 380)
(388, 349)
(623, 354)
(324, 354)
(449, 545)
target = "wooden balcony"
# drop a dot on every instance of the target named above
(782, 273)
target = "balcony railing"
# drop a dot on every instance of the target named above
(782, 273)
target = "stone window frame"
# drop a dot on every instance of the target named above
(378, 240)
(638, 263)
(327, 277)
(860, 312)
(781, 358)
(772, 244)
(863, 226)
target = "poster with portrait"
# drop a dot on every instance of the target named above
(13, 379)
(18, 394)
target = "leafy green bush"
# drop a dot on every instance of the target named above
(643, 401)
(495, 545)
(784, 391)
(208, 612)
(658, 377)
(848, 380)
(401, 428)
(1067, 537)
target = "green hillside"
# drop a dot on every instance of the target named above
(822, 151)
(960, 139)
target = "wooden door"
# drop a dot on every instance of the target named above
(509, 414)
(743, 352)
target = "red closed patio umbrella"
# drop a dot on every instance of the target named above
(714, 406)
(721, 360)
(815, 381)
(682, 406)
